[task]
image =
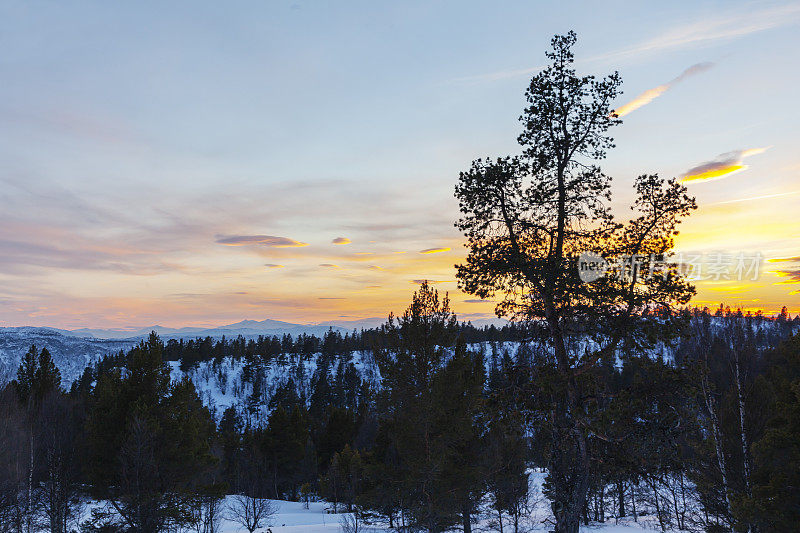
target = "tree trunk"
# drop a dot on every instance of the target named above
(570, 476)
(499, 519)
(569, 463)
(682, 522)
(717, 435)
(659, 515)
(586, 512)
(466, 520)
(742, 432)
(29, 518)
(603, 504)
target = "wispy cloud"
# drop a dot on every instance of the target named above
(728, 26)
(434, 250)
(724, 165)
(259, 240)
(273, 265)
(651, 94)
(754, 198)
(341, 240)
(708, 29)
(328, 265)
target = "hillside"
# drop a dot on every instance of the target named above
(71, 354)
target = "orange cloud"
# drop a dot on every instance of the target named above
(272, 265)
(724, 165)
(434, 250)
(791, 272)
(259, 240)
(651, 94)
(793, 275)
(341, 240)
(713, 173)
(329, 265)
(641, 100)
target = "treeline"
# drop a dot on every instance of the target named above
(269, 348)
(703, 440)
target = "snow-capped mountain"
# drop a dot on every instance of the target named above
(246, 328)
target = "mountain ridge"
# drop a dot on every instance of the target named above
(246, 328)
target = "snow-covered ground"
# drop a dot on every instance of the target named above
(220, 385)
(291, 517)
(294, 517)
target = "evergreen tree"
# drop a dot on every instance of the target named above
(528, 217)
(26, 375)
(231, 432)
(342, 482)
(149, 443)
(37, 376)
(48, 377)
(284, 445)
(506, 454)
(775, 502)
(432, 401)
(458, 427)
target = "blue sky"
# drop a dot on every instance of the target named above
(138, 141)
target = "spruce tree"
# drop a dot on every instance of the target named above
(149, 444)
(431, 405)
(37, 376)
(775, 502)
(48, 377)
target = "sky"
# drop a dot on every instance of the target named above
(195, 164)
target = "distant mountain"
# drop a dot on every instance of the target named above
(376, 322)
(363, 323)
(121, 333)
(246, 328)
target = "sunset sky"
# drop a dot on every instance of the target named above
(198, 164)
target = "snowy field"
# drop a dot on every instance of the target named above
(294, 517)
